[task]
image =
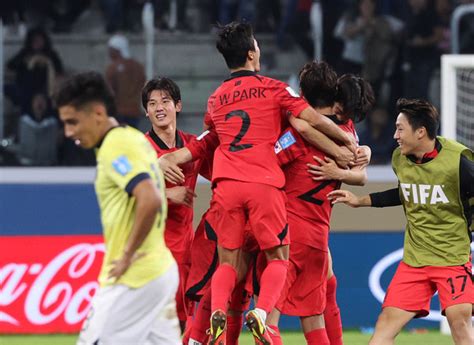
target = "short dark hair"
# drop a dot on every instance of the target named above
(420, 113)
(355, 96)
(318, 83)
(84, 88)
(234, 41)
(161, 83)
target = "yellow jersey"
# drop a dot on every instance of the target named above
(124, 158)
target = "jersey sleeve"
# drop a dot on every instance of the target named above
(204, 145)
(207, 116)
(288, 99)
(126, 163)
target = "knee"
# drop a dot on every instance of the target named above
(277, 253)
(460, 325)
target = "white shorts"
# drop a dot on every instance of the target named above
(124, 316)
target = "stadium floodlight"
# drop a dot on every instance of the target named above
(457, 98)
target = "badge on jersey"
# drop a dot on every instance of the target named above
(286, 140)
(292, 92)
(122, 165)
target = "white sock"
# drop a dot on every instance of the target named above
(262, 313)
(194, 342)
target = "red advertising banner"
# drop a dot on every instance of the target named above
(47, 282)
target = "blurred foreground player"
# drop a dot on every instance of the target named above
(139, 277)
(436, 181)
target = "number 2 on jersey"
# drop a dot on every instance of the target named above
(234, 145)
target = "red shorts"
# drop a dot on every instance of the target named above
(204, 261)
(411, 288)
(304, 293)
(263, 206)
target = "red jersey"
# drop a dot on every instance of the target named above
(247, 111)
(307, 199)
(179, 224)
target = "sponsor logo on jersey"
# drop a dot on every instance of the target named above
(423, 193)
(122, 165)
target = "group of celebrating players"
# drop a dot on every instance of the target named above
(273, 157)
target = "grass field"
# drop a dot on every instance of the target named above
(290, 338)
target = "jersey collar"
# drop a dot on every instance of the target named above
(427, 156)
(242, 73)
(161, 144)
(99, 144)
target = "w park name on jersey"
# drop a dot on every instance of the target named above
(241, 95)
(423, 193)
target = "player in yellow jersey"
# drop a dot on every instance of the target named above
(139, 277)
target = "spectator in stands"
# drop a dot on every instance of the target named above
(350, 29)
(163, 8)
(379, 44)
(230, 10)
(38, 134)
(35, 69)
(296, 22)
(421, 59)
(268, 15)
(122, 15)
(377, 135)
(126, 77)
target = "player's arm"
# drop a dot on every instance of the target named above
(328, 127)
(180, 195)
(327, 169)
(169, 164)
(341, 154)
(148, 204)
(386, 198)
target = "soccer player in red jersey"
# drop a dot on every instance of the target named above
(309, 211)
(161, 98)
(247, 111)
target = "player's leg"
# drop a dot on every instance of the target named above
(332, 314)
(314, 331)
(389, 324)
(227, 219)
(272, 323)
(240, 299)
(460, 322)
(200, 326)
(456, 296)
(269, 225)
(165, 324)
(408, 295)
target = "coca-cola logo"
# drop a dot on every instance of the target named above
(39, 293)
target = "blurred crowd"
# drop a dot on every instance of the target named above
(395, 45)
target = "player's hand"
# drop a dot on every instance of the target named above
(351, 143)
(343, 196)
(364, 154)
(326, 170)
(181, 195)
(172, 172)
(120, 266)
(345, 157)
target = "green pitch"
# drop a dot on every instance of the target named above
(289, 338)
